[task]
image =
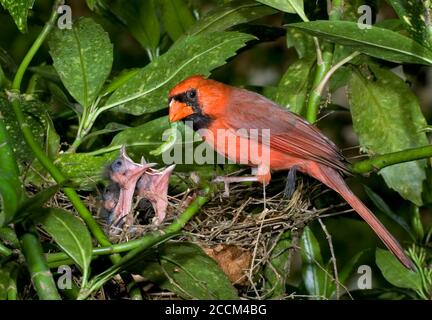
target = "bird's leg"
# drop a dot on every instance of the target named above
(260, 174)
(291, 182)
(228, 180)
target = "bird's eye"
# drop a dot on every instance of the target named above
(191, 94)
(116, 165)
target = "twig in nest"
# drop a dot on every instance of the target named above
(333, 257)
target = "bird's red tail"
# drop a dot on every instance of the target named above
(335, 181)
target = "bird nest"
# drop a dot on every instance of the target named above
(239, 231)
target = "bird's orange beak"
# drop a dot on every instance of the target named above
(178, 110)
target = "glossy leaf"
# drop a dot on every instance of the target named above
(377, 42)
(414, 15)
(346, 271)
(82, 57)
(290, 6)
(387, 118)
(71, 234)
(52, 140)
(302, 42)
(293, 88)
(109, 128)
(147, 91)
(395, 273)
(35, 113)
(85, 170)
(314, 276)
(11, 190)
(382, 206)
(176, 17)
(18, 9)
(4, 282)
(186, 270)
(118, 81)
(229, 15)
(28, 206)
(141, 19)
(144, 138)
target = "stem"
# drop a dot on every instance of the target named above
(40, 273)
(5, 251)
(101, 251)
(37, 150)
(320, 88)
(385, 160)
(12, 291)
(323, 66)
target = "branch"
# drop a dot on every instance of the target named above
(40, 273)
(385, 160)
(324, 64)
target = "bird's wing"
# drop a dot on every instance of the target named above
(289, 133)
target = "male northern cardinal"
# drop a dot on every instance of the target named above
(292, 142)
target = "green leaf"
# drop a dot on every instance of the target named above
(82, 57)
(414, 15)
(314, 276)
(35, 113)
(382, 206)
(186, 270)
(156, 139)
(416, 222)
(52, 140)
(28, 206)
(109, 128)
(377, 42)
(275, 270)
(144, 138)
(72, 236)
(346, 272)
(18, 9)
(176, 17)
(395, 273)
(290, 6)
(118, 81)
(11, 190)
(229, 15)
(302, 42)
(387, 118)
(147, 91)
(4, 282)
(294, 86)
(83, 169)
(142, 21)
(172, 138)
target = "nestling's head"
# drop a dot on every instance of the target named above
(197, 99)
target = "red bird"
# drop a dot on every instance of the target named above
(289, 140)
